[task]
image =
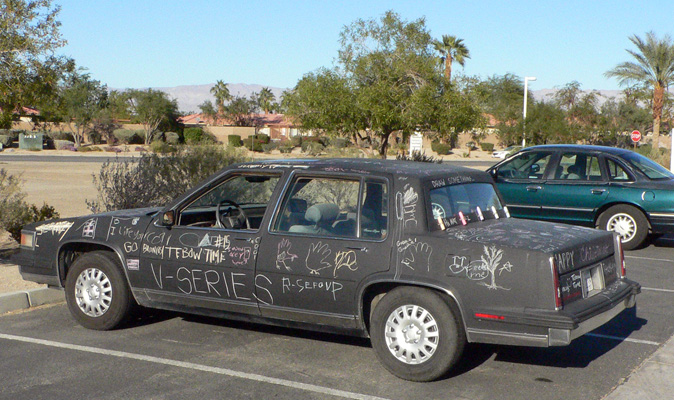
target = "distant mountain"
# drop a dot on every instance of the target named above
(189, 97)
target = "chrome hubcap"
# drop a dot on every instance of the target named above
(93, 292)
(412, 334)
(624, 225)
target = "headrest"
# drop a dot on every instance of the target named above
(324, 212)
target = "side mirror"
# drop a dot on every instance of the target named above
(168, 218)
(535, 168)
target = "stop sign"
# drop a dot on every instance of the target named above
(636, 136)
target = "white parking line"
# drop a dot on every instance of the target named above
(196, 367)
(658, 290)
(624, 339)
(650, 259)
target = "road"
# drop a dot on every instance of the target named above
(45, 354)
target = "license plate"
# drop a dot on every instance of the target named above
(593, 280)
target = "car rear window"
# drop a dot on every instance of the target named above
(464, 203)
(647, 166)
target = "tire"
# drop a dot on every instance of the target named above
(628, 222)
(97, 292)
(416, 334)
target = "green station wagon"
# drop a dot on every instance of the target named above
(603, 187)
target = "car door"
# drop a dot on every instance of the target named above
(575, 190)
(207, 258)
(521, 182)
(329, 234)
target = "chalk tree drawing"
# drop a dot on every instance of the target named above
(317, 258)
(284, 256)
(488, 265)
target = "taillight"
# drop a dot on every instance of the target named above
(555, 281)
(623, 269)
(28, 240)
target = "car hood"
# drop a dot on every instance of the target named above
(572, 246)
(132, 212)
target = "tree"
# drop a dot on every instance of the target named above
(240, 111)
(654, 66)
(266, 100)
(82, 99)
(222, 95)
(209, 110)
(387, 79)
(151, 108)
(452, 49)
(29, 70)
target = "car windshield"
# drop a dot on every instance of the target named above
(647, 166)
(461, 204)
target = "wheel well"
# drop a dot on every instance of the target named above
(375, 292)
(607, 206)
(71, 251)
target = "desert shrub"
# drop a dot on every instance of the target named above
(171, 137)
(161, 147)
(255, 142)
(471, 146)
(64, 145)
(269, 147)
(61, 136)
(15, 213)
(128, 136)
(419, 157)
(193, 135)
(339, 143)
(285, 148)
(113, 149)
(5, 140)
(487, 146)
(87, 149)
(313, 148)
(153, 180)
(234, 141)
(441, 148)
(296, 141)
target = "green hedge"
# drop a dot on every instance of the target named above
(5, 140)
(441, 148)
(234, 141)
(487, 146)
(171, 137)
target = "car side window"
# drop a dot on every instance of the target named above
(530, 165)
(331, 207)
(242, 197)
(578, 167)
(616, 172)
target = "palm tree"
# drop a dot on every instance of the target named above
(266, 99)
(221, 93)
(452, 49)
(654, 67)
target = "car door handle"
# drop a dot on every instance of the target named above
(534, 188)
(363, 249)
(598, 191)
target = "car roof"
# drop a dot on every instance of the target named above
(360, 165)
(578, 147)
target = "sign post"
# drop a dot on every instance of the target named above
(636, 137)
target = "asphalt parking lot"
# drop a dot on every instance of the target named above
(45, 354)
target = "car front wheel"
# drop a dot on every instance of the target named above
(97, 293)
(416, 334)
(628, 222)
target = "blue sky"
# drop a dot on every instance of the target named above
(148, 43)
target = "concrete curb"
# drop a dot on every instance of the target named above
(29, 298)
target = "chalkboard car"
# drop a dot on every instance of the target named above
(421, 258)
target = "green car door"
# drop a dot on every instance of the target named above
(521, 182)
(575, 190)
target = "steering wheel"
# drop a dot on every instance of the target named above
(228, 219)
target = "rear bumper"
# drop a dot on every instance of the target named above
(541, 328)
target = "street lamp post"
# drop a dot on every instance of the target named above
(524, 112)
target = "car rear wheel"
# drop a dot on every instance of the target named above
(628, 222)
(97, 293)
(416, 334)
